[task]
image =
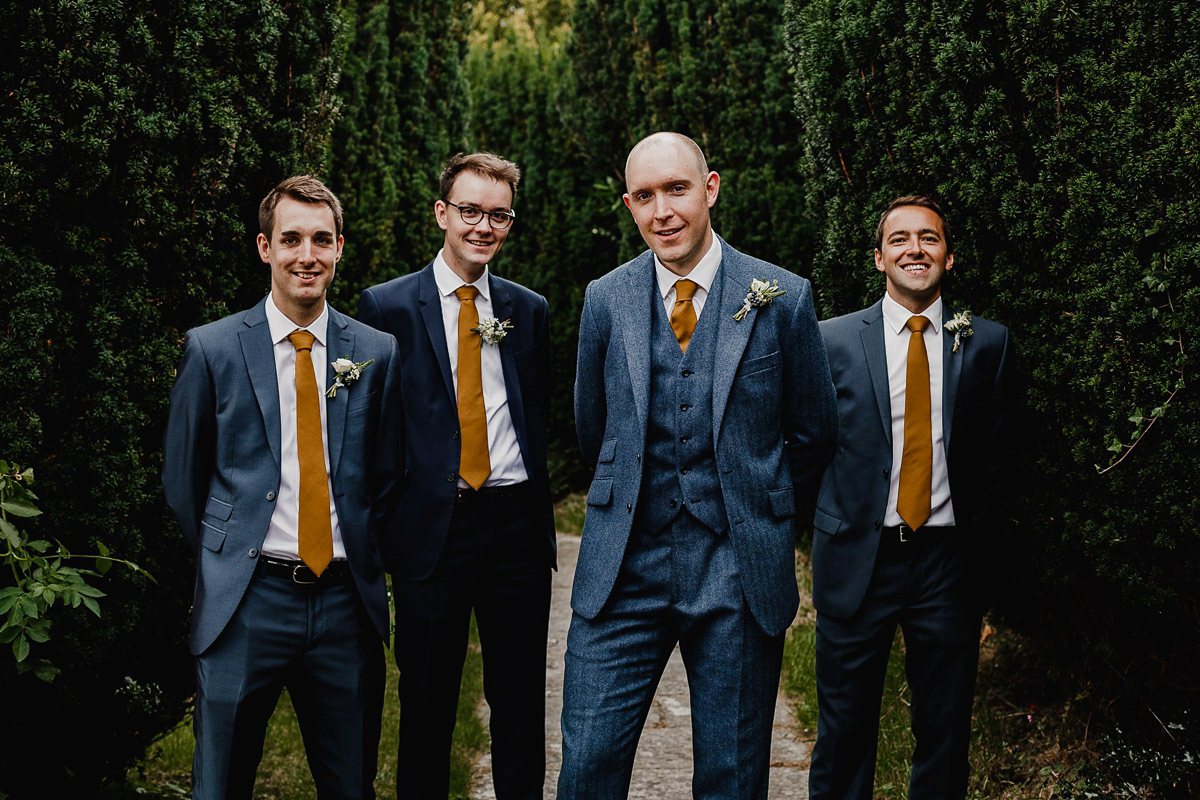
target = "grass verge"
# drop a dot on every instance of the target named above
(283, 774)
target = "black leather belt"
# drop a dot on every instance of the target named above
(904, 535)
(336, 572)
(514, 491)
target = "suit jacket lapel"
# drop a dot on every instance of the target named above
(258, 351)
(502, 308)
(732, 335)
(435, 327)
(873, 345)
(635, 329)
(952, 365)
(339, 343)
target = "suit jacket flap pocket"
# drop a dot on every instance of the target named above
(600, 493)
(828, 523)
(218, 509)
(211, 538)
(783, 502)
(608, 451)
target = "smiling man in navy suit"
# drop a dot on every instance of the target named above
(703, 402)
(475, 527)
(281, 468)
(910, 502)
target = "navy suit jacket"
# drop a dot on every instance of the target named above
(774, 423)
(409, 308)
(221, 457)
(976, 404)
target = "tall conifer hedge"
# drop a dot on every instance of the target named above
(136, 139)
(1064, 141)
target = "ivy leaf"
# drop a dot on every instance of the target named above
(21, 648)
(10, 532)
(20, 508)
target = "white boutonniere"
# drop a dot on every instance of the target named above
(492, 330)
(761, 294)
(346, 372)
(960, 326)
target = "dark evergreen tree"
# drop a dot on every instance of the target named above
(136, 140)
(717, 71)
(520, 84)
(1063, 140)
(405, 112)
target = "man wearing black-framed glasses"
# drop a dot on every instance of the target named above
(474, 530)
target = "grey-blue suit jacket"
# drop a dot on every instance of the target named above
(976, 402)
(221, 457)
(774, 423)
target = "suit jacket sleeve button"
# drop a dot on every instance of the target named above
(454, 435)
(270, 496)
(253, 552)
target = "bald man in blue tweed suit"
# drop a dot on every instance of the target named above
(704, 405)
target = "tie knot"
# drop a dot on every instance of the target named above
(301, 340)
(684, 289)
(917, 324)
(466, 293)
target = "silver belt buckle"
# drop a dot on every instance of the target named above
(296, 573)
(904, 533)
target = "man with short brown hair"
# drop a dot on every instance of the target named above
(475, 527)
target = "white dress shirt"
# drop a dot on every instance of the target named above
(508, 467)
(283, 532)
(896, 337)
(703, 274)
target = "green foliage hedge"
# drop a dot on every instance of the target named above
(1063, 140)
(136, 139)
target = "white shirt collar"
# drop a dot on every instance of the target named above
(448, 282)
(896, 316)
(703, 273)
(280, 326)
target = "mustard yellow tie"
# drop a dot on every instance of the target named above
(474, 462)
(315, 530)
(916, 464)
(683, 315)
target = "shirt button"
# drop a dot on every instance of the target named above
(270, 496)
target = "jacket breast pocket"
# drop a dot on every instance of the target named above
(762, 364)
(359, 404)
(600, 492)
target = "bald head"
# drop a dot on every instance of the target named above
(673, 139)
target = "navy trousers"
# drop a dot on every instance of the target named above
(679, 585)
(319, 643)
(922, 586)
(494, 563)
